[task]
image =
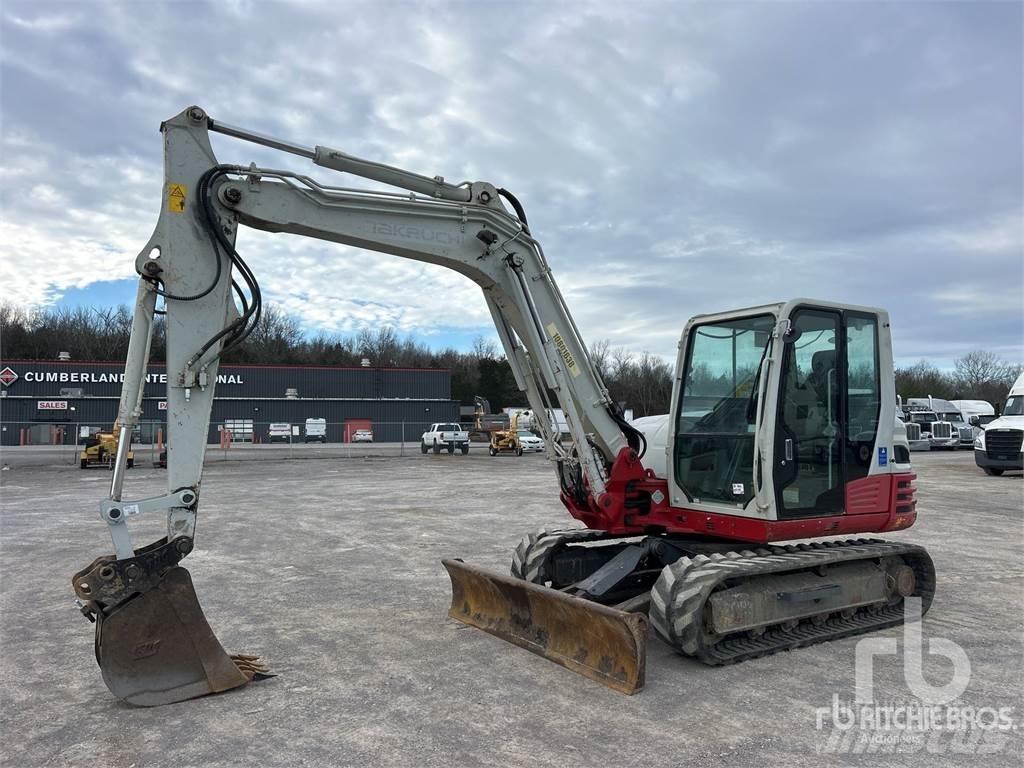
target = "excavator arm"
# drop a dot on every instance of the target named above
(152, 641)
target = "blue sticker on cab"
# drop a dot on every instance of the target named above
(883, 456)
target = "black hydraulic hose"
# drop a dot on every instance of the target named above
(514, 202)
(244, 325)
(204, 182)
(634, 437)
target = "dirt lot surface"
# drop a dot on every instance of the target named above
(330, 569)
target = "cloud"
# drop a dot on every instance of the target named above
(674, 159)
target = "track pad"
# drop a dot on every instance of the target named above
(157, 647)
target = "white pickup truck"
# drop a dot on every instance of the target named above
(443, 435)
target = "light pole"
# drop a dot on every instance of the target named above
(74, 456)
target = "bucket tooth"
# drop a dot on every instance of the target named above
(599, 642)
(157, 647)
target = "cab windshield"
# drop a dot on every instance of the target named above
(1014, 406)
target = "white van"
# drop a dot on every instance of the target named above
(316, 430)
(1001, 446)
(280, 433)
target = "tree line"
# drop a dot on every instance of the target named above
(978, 375)
(642, 382)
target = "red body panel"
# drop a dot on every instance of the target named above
(869, 495)
(636, 502)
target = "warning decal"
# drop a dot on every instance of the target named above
(563, 350)
(176, 198)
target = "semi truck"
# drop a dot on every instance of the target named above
(1000, 446)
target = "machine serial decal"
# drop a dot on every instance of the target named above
(563, 350)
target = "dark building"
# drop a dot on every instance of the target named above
(45, 401)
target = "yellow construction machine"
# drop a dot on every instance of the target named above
(100, 450)
(506, 440)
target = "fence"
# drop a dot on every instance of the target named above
(36, 443)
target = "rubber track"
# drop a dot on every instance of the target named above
(682, 590)
(532, 555)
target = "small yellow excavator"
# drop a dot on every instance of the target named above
(101, 448)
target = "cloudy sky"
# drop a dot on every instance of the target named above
(673, 159)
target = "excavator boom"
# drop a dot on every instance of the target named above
(153, 643)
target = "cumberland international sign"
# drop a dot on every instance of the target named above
(93, 377)
(32, 375)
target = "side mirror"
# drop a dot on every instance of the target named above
(975, 421)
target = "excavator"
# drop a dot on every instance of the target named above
(782, 428)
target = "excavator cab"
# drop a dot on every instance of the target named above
(783, 403)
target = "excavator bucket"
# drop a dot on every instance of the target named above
(157, 648)
(599, 642)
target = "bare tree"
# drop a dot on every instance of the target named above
(484, 349)
(622, 363)
(600, 354)
(981, 367)
(922, 379)
(984, 375)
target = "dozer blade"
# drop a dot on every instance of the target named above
(602, 643)
(157, 648)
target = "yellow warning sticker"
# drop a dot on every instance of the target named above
(563, 350)
(176, 197)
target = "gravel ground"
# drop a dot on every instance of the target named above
(330, 569)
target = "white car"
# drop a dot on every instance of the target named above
(529, 441)
(362, 436)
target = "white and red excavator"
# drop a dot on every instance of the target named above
(782, 428)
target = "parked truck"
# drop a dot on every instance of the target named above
(1000, 447)
(445, 435)
(977, 413)
(961, 435)
(916, 440)
(939, 432)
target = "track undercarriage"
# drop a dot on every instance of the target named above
(706, 599)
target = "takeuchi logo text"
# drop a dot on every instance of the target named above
(92, 377)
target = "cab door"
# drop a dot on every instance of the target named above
(808, 468)
(828, 410)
